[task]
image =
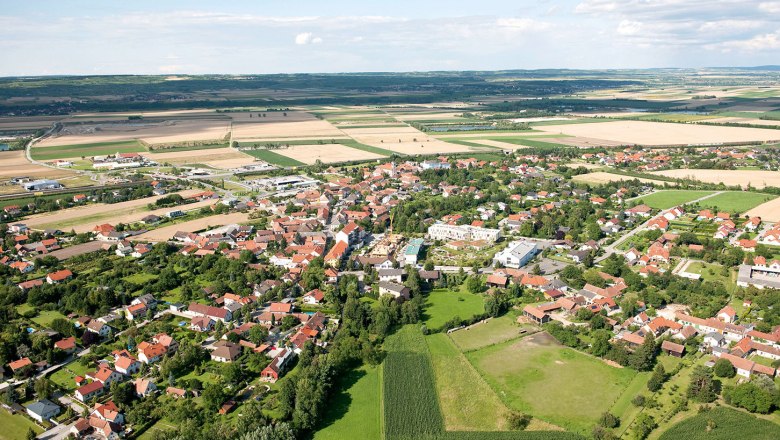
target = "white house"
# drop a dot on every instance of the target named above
(42, 410)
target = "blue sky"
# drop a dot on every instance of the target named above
(167, 37)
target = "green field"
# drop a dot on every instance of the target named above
(45, 317)
(64, 376)
(443, 304)
(15, 426)
(467, 402)
(736, 201)
(355, 411)
(557, 384)
(493, 331)
(670, 198)
(173, 149)
(86, 150)
(274, 158)
(376, 150)
(729, 425)
(140, 278)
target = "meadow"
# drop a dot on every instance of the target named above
(557, 384)
(15, 426)
(274, 158)
(483, 334)
(444, 304)
(736, 201)
(86, 150)
(670, 198)
(355, 411)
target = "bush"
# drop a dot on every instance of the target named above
(638, 400)
(608, 420)
(724, 368)
(518, 421)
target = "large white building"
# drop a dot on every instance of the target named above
(517, 254)
(443, 231)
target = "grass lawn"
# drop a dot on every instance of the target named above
(670, 198)
(445, 304)
(466, 401)
(160, 425)
(729, 424)
(493, 331)
(736, 201)
(140, 278)
(274, 158)
(354, 412)
(713, 272)
(557, 384)
(86, 150)
(15, 426)
(45, 317)
(64, 376)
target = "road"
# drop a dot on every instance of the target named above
(612, 248)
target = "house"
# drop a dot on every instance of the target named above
(109, 412)
(144, 387)
(536, 315)
(314, 297)
(105, 375)
(99, 328)
(136, 311)
(714, 339)
(68, 345)
(392, 275)
(396, 290)
(43, 410)
(150, 353)
(672, 349)
(202, 324)
(88, 391)
(273, 371)
(496, 280)
(127, 365)
(177, 393)
(279, 307)
(226, 351)
(215, 313)
(727, 314)
(517, 254)
(59, 276)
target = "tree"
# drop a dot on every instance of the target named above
(43, 388)
(657, 379)
(601, 343)
(213, 397)
(278, 431)
(518, 421)
(724, 368)
(30, 434)
(702, 386)
(643, 426)
(258, 334)
(475, 284)
(643, 357)
(608, 420)
(428, 265)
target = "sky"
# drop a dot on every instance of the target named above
(262, 36)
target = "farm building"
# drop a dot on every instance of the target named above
(40, 185)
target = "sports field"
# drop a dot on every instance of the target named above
(444, 304)
(354, 412)
(538, 376)
(670, 198)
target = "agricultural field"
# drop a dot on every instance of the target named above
(729, 424)
(489, 332)
(325, 153)
(670, 198)
(165, 233)
(754, 178)
(769, 211)
(223, 158)
(444, 304)
(272, 157)
(14, 164)
(355, 411)
(523, 371)
(736, 201)
(44, 152)
(601, 177)
(149, 132)
(661, 133)
(300, 127)
(403, 140)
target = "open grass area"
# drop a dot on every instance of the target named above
(86, 150)
(368, 148)
(274, 158)
(64, 376)
(354, 412)
(467, 402)
(557, 384)
(670, 198)
(736, 201)
(729, 424)
(160, 425)
(492, 331)
(444, 304)
(15, 427)
(45, 317)
(140, 278)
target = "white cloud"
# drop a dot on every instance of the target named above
(770, 7)
(522, 24)
(628, 27)
(758, 43)
(307, 38)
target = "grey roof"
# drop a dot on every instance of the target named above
(42, 406)
(390, 272)
(393, 287)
